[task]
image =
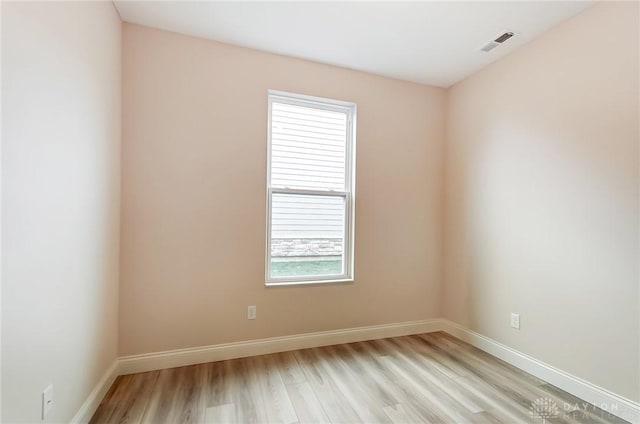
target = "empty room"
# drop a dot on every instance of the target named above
(320, 212)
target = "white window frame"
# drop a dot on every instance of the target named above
(348, 195)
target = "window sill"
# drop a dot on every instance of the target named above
(308, 283)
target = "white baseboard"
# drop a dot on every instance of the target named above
(617, 405)
(621, 407)
(92, 402)
(183, 357)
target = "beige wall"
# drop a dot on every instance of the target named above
(193, 211)
(1, 7)
(60, 211)
(542, 198)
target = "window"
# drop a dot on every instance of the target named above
(310, 173)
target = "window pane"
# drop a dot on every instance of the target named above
(308, 147)
(307, 235)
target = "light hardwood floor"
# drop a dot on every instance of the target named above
(429, 378)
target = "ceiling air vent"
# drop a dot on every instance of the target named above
(495, 43)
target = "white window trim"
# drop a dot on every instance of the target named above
(348, 194)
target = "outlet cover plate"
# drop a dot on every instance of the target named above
(47, 400)
(251, 312)
(515, 320)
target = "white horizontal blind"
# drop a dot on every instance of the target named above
(308, 147)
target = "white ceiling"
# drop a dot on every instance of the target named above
(434, 42)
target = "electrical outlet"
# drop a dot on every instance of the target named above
(251, 312)
(47, 400)
(515, 320)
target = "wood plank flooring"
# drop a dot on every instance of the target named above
(428, 378)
